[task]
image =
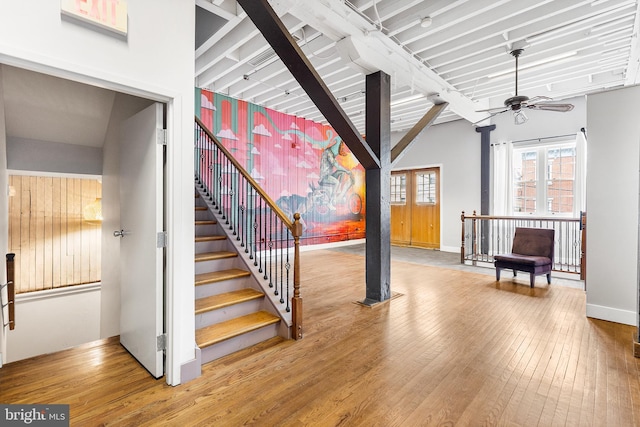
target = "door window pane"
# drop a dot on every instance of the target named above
(399, 189)
(426, 187)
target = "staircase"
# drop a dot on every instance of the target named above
(232, 311)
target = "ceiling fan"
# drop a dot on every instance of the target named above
(518, 103)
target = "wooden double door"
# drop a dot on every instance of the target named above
(415, 208)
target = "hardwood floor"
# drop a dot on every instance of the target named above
(456, 348)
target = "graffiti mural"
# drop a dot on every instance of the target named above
(303, 165)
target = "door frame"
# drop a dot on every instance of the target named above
(174, 110)
(440, 166)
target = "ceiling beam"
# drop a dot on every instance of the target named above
(274, 31)
(401, 147)
(368, 50)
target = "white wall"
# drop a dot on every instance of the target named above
(4, 207)
(612, 204)
(49, 321)
(455, 147)
(46, 156)
(152, 62)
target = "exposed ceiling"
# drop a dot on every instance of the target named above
(572, 47)
(460, 54)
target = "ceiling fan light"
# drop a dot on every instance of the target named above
(519, 117)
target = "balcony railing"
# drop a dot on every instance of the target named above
(484, 236)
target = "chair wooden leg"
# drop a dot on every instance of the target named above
(549, 278)
(532, 279)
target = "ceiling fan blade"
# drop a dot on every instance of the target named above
(561, 108)
(536, 99)
(491, 110)
(491, 115)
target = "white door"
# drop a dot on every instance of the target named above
(141, 219)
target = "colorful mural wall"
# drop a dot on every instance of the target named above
(303, 165)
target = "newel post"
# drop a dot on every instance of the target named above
(296, 301)
(462, 240)
(11, 290)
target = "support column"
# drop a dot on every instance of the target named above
(378, 233)
(485, 181)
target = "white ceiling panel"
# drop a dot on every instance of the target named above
(571, 48)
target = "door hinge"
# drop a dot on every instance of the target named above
(161, 241)
(162, 136)
(161, 342)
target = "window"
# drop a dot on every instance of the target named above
(544, 179)
(525, 180)
(399, 189)
(55, 242)
(426, 188)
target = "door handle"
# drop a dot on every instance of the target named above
(120, 233)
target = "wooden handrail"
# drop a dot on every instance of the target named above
(521, 217)
(249, 178)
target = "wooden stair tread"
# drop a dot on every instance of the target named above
(215, 302)
(206, 222)
(210, 238)
(219, 276)
(201, 208)
(232, 328)
(212, 256)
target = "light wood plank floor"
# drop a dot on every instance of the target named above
(456, 348)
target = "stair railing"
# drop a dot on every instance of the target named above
(253, 219)
(11, 295)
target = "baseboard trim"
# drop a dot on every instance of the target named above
(331, 245)
(191, 369)
(611, 314)
(453, 249)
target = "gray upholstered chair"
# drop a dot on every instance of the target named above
(532, 252)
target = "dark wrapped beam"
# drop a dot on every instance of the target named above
(274, 31)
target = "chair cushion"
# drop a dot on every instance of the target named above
(533, 242)
(523, 259)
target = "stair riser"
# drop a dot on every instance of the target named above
(222, 287)
(202, 215)
(212, 246)
(206, 230)
(238, 343)
(217, 265)
(226, 313)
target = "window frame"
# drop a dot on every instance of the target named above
(401, 189)
(431, 186)
(543, 178)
